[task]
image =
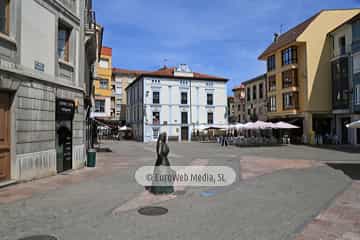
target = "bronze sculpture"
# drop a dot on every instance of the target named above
(162, 168)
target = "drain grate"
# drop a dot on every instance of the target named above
(39, 237)
(153, 211)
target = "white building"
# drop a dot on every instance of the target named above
(176, 101)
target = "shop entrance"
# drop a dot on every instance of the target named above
(64, 117)
(4, 136)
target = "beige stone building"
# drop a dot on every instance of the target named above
(239, 104)
(255, 99)
(121, 78)
(299, 85)
(231, 109)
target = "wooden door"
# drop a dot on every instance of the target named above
(184, 134)
(4, 136)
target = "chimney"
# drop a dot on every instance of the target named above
(276, 36)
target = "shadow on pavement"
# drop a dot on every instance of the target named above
(352, 170)
(103, 150)
(340, 148)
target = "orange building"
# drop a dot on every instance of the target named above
(103, 85)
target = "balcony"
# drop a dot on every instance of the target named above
(341, 51)
(90, 20)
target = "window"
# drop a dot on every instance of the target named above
(156, 133)
(184, 118)
(254, 92)
(248, 96)
(357, 94)
(156, 118)
(63, 42)
(356, 63)
(104, 84)
(261, 91)
(155, 81)
(5, 16)
(239, 107)
(272, 104)
(210, 84)
(156, 98)
(272, 83)
(184, 98)
(289, 55)
(356, 31)
(210, 100)
(239, 118)
(271, 63)
(342, 45)
(184, 82)
(289, 78)
(99, 106)
(210, 118)
(290, 100)
(104, 63)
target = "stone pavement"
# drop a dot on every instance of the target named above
(341, 221)
(279, 191)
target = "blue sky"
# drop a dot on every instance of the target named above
(219, 37)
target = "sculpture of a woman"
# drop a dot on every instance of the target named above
(162, 167)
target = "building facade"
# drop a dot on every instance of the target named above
(231, 109)
(299, 85)
(345, 68)
(176, 101)
(104, 106)
(355, 91)
(240, 103)
(255, 99)
(42, 79)
(121, 79)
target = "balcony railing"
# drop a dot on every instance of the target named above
(342, 51)
(90, 20)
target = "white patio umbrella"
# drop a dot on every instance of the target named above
(125, 128)
(355, 124)
(239, 126)
(201, 127)
(216, 127)
(258, 125)
(284, 125)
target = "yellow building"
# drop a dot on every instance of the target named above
(103, 85)
(299, 73)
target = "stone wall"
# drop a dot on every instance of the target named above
(35, 129)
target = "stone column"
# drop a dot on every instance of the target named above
(308, 128)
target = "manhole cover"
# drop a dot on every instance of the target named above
(153, 211)
(39, 237)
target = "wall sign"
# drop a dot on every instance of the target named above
(39, 66)
(65, 109)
